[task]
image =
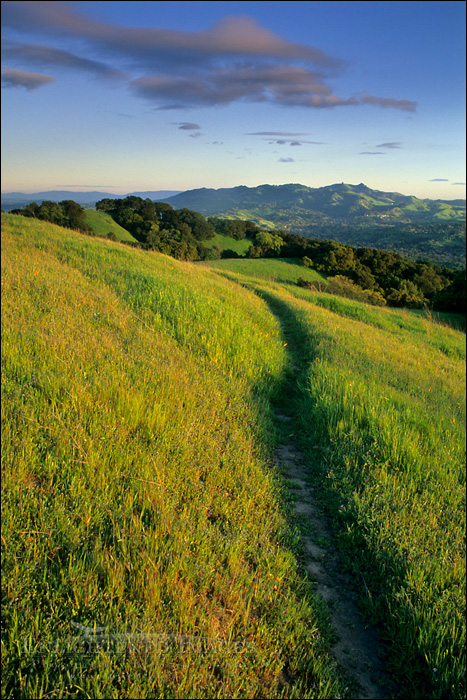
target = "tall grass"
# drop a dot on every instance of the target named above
(137, 491)
(382, 413)
(274, 270)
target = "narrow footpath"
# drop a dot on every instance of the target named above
(358, 651)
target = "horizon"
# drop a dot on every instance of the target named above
(119, 194)
(189, 95)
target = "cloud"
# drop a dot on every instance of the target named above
(231, 36)
(20, 78)
(389, 103)
(390, 144)
(286, 160)
(438, 179)
(458, 183)
(46, 56)
(187, 126)
(235, 59)
(277, 133)
(283, 141)
(371, 153)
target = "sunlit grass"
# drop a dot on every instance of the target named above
(382, 414)
(137, 488)
(287, 270)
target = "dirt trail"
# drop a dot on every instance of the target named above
(358, 649)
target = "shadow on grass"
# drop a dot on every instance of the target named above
(376, 575)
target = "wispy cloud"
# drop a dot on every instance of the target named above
(277, 133)
(49, 57)
(438, 179)
(458, 183)
(371, 153)
(235, 59)
(389, 144)
(12, 77)
(285, 141)
(286, 160)
(187, 126)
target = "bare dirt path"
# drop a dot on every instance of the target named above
(358, 649)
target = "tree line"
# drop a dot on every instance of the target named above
(67, 213)
(377, 276)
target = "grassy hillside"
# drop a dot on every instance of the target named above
(380, 410)
(227, 243)
(275, 270)
(102, 223)
(138, 494)
(139, 398)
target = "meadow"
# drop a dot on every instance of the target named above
(138, 491)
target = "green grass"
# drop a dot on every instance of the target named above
(227, 243)
(102, 223)
(272, 269)
(138, 493)
(380, 410)
(137, 487)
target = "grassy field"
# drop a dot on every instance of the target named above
(102, 223)
(273, 270)
(138, 493)
(226, 243)
(380, 409)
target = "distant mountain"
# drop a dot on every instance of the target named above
(353, 214)
(295, 207)
(13, 200)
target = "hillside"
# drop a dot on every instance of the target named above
(102, 224)
(202, 463)
(292, 206)
(352, 214)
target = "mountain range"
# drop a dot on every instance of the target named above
(292, 207)
(13, 200)
(353, 214)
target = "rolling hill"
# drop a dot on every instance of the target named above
(351, 214)
(295, 206)
(154, 497)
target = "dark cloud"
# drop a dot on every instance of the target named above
(389, 144)
(234, 60)
(20, 78)
(187, 126)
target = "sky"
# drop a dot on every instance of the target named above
(137, 96)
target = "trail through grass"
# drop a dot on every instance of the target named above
(382, 406)
(138, 494)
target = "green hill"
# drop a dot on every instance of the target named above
(102, 223)
(353, 214)
(153, 544)
(295, 205)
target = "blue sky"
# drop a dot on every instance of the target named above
(127, 96)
